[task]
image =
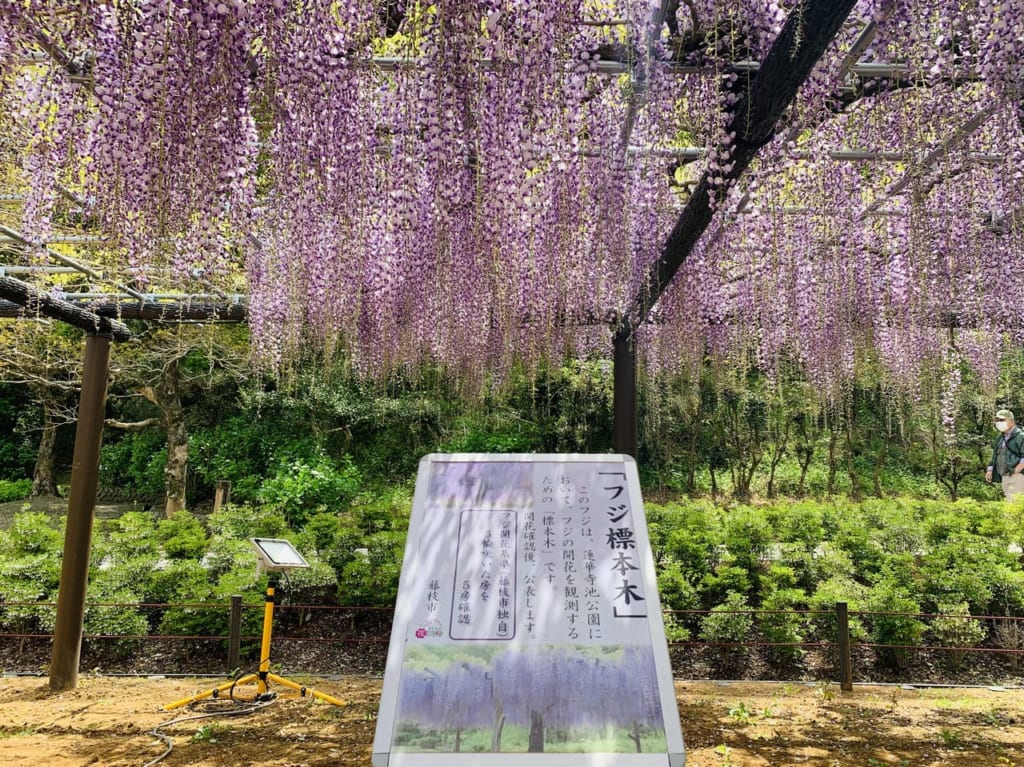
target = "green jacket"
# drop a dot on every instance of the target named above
(1014, 451)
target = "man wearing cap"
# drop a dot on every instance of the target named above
(1007, 456)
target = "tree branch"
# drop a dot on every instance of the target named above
(132, 425)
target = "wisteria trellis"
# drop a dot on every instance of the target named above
(449, 181)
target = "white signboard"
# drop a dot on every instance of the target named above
(528, 628)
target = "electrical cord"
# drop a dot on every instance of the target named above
(238, 710)
(239, 707)
(257, 699)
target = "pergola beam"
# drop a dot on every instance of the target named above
(178, 311)
(34, 302)
(810, 27)
(772, 86)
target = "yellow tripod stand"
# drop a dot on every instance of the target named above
(263, 676)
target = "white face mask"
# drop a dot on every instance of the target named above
(1002, 425)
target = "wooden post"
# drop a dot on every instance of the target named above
(845, 660)
(235, 633)
(624, 403)
(85, 463)
(221, 494)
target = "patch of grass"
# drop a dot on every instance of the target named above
(207, 733)
(725, 752)
(951, 738)
(739, 713)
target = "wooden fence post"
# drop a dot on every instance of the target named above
(221, 494)
(235, 633)
(845, 661)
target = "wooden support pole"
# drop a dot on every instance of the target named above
(74, 572)
(235, 633)
(845, 660)
(624, 403)
(221, 494)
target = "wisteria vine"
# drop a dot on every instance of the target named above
(451, 183)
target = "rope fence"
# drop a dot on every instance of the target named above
(334, 626)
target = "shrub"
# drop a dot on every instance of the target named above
(371, 579)
(964, 568)
(1009, 635)
(747, 538)
(32, 532)
(320, 535)
(227, 554)
(130, 535)
(126, 553)
(135, 463)
(726, 579)
(782, 626)
(379, 510)
(201, 596)
(30, 560)
(313, 585)
(941, 527)
(690, 535)
(729, 623)
(854, 537)
(954, 628)
(822, 604)
(829, 561)
(112, 611)
(675, 630)
(1008, 592)
(182, 536)
(18, 612)
(801, 522)
(178, 581)
(675, 590)
(305, 487)
(15, 490)
(243, 522)
(895, 625)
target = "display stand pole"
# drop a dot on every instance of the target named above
(263, 677)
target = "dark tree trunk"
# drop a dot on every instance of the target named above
(536, 745)
(851, 467)
(177, 442)
(499, 725)
(779, 447)
(166, 395)
(635, 736)
(833, 467)
(806, 454)
(43, 481)
(691, 469)
(876, 475)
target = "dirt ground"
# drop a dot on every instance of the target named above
(105, 721)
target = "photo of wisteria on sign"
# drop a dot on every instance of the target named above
(502, 699)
